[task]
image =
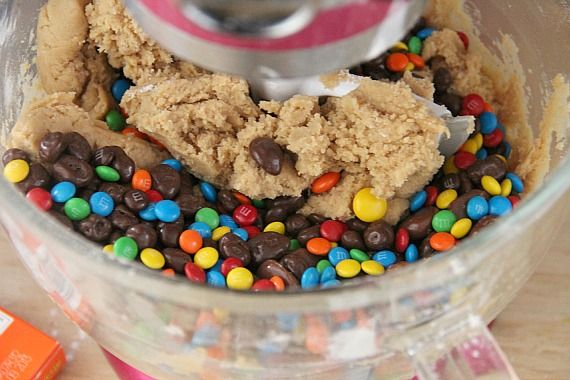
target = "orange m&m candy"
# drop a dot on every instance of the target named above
(319, 246)
(325, 182)
(190, 241)
(141, 180)
(442, 241)
(418, 61)
(397, 62)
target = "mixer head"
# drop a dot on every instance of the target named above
(276, 39)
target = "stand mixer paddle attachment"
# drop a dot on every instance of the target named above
(276, 39)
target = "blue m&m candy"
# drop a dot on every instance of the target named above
(488, 122)
(411, 255)
(517, 182)
(385, 257)
(208, 191)
(241, 233)
(477, 207)
(337, 254)
(167, 211)
(63, 191)
(173, 163)
(216, 279)
(228, 221)
(425, 33)
(328, 274)
(119, 88)
(101, 203)
(148, 213)
(202, 228)
(418, 200)
(499, 206)
(310, 278)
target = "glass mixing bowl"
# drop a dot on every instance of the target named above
(429, 317)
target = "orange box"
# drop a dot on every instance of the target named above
(25, 352)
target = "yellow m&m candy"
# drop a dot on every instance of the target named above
(16, 171)
(240, 279)
(368, 207)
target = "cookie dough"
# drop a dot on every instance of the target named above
(58, 113)
(378, 136)
(129, 48)
(67, 61)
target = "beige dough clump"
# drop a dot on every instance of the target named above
(58, 113)
(464, 65)
(67, 62)
(129, 48)
(378, 136)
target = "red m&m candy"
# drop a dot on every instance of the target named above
(245, 215)
(40, 197)
(229, 264)
(473, 104)
(194, 272)
(332, 230)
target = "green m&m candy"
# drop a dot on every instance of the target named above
(126, 248)
(77, 209)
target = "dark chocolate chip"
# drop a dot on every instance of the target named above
(176, 259)
(459, 206)
(442, 79)
(85, 193)
(276, 214)
(232, 245)
(78, 146)
(165, 180)
(266, 246)
(95, 228)
(122, 218)
(209, 242)
(357, 225)
(15, 154)
(115, 235)
(169, 233)
(482, 223)
(295, 223)
(465, 183)
(271, 268)
(115, 157)
(419, 224)
(453, 102)
(72, 169)
(228, 201)
(104, 156)
(308, 233)
(291, 204)
(425, 250)
(135, 200)
(52, 146)
(144, 235)
(436, 62)
(190, 204)
(115, 190)
(37, 177)
(379, 235)
(267, 153)
(316, 218)
(352, 239)
(451, 181)
(492, 166)
(298, 261)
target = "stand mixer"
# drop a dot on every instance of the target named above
(276, 44)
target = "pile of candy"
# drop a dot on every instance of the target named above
(172, 222)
